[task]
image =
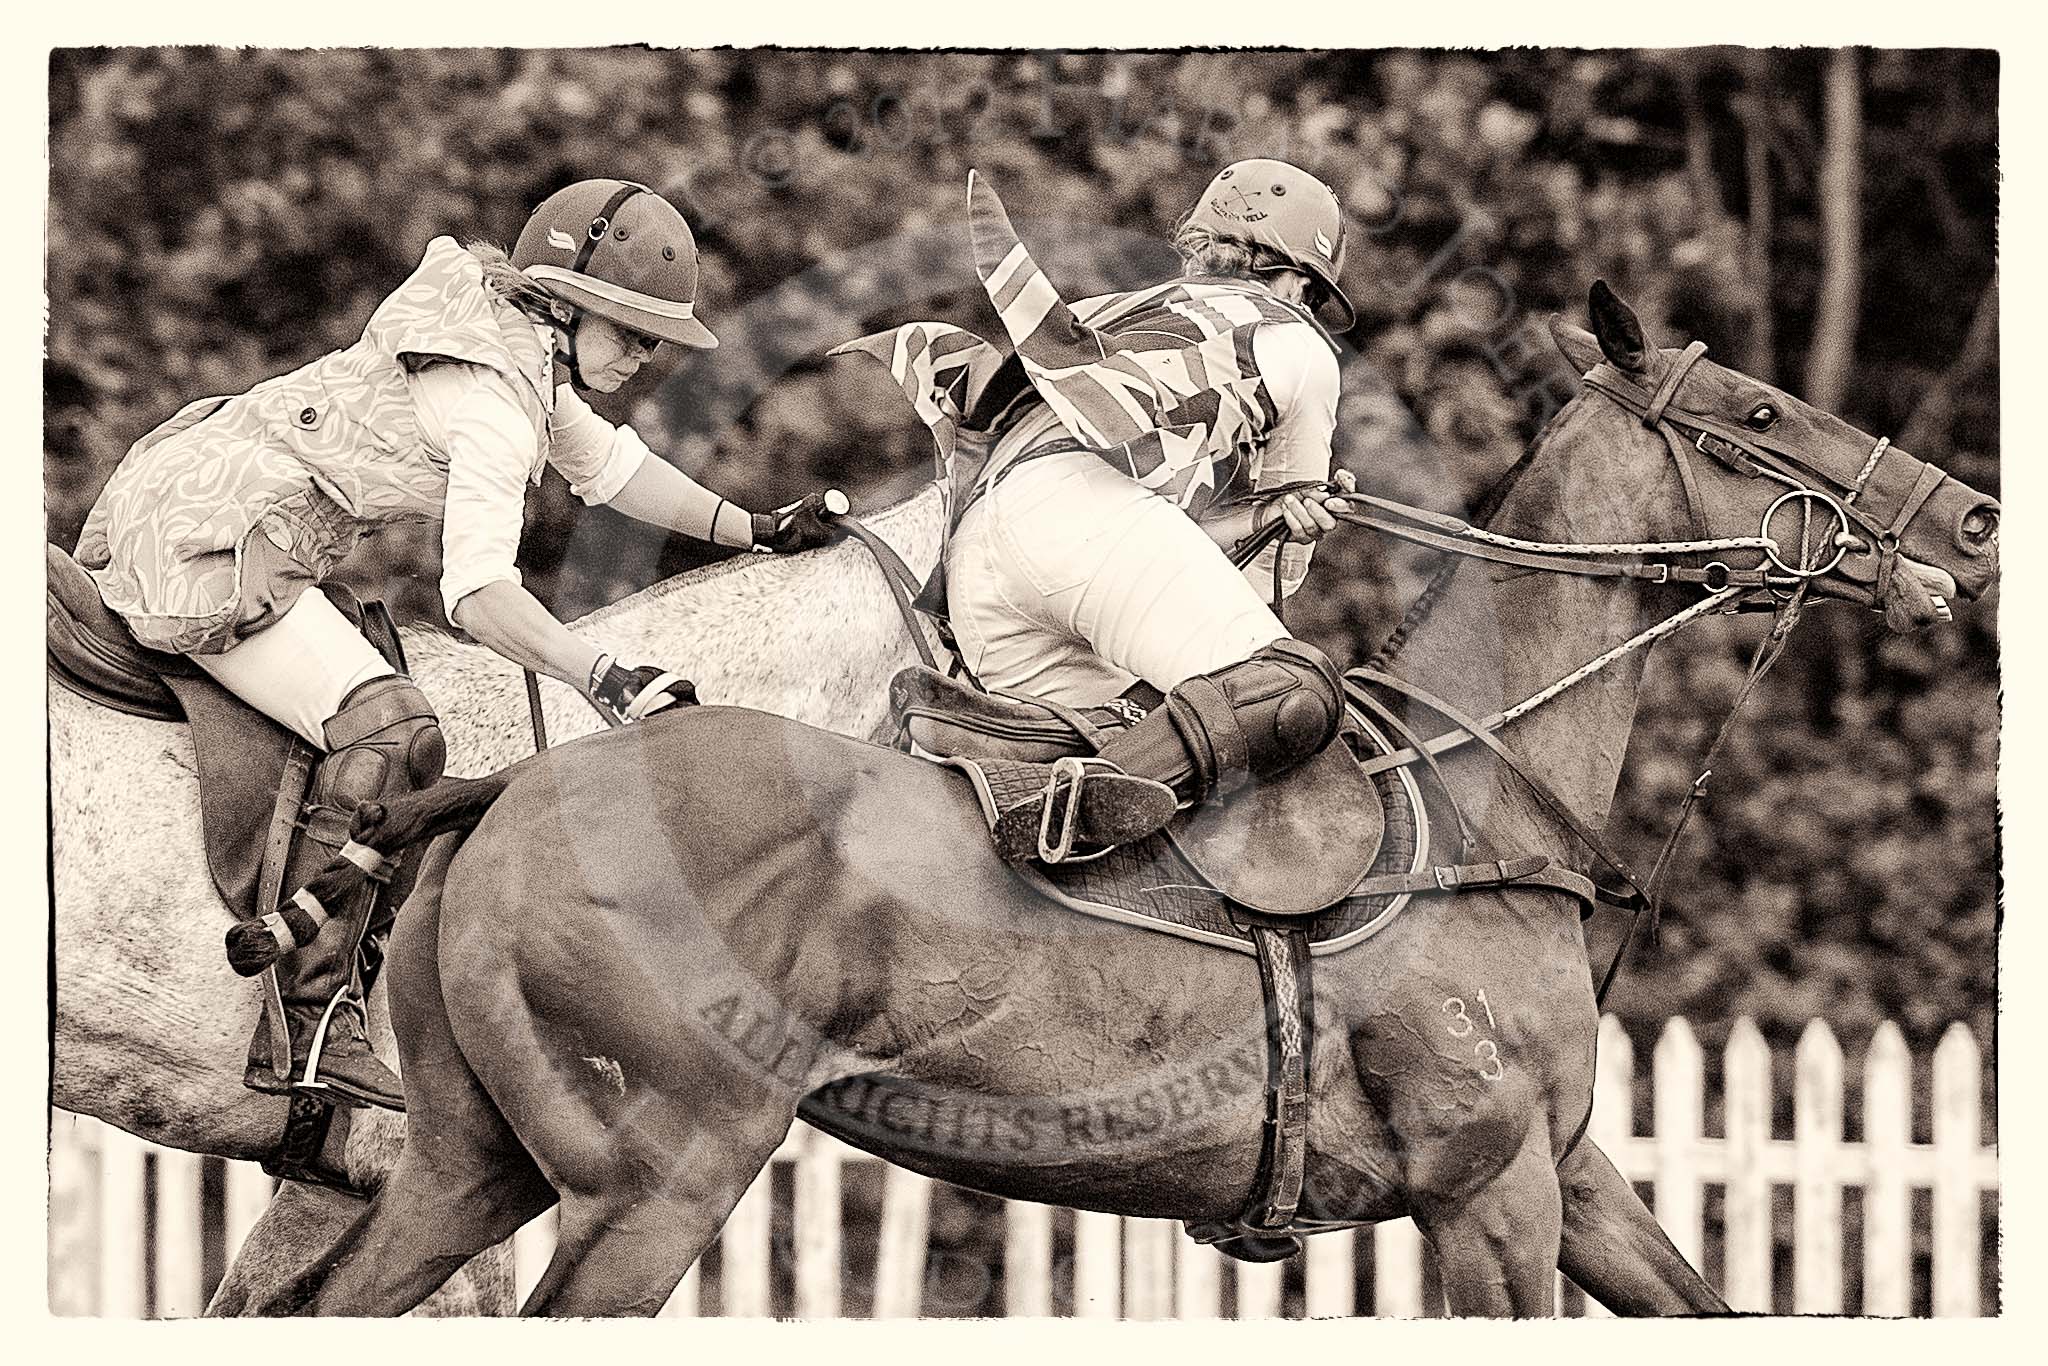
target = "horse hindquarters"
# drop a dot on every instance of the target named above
(571, 961)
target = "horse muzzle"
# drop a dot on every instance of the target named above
(1946, 553)
(1921, 595)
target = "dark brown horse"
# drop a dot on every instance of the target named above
(662, 944)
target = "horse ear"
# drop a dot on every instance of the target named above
(1577, 344)
(1620, 333)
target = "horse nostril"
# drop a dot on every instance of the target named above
(1979, 526)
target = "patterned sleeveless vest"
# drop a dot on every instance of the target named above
(309, 461)
(1175, 399)
(1193, 338)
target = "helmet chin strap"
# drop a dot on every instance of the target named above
(568, 350)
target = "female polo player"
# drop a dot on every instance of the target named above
(216, 524)
(1088, 554)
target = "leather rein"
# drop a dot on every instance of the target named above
(1775, 583)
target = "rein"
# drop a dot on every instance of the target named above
(1776, 583)
(903, 587)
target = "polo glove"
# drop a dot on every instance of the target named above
(631, 694)
(801, 525)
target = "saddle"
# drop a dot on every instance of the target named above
(244, 758)
(1294, 845)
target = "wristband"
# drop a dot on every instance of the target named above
(597, 672)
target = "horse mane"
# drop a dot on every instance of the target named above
(1426, 601)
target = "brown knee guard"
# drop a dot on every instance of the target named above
(1248, 720)
(384, 740)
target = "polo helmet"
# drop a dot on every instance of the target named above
(1279, 206)
(621, 251)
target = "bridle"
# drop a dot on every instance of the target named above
(1851, 527)
(1779, 581)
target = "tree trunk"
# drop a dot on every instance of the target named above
(1841, 226)
(1754, 107)
(1927, 431)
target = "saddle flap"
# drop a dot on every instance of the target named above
(91, 651)
(944, 718)
(1290, 845)
(240, 753)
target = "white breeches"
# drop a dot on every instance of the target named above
(298, 669)
(1067, 580)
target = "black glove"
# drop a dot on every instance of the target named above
(801, 525)
(631, 694)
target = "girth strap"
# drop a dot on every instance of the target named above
(1285, 983)
(1528, 871)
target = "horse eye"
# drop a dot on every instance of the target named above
(1761, 418)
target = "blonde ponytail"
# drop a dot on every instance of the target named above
(515, 286)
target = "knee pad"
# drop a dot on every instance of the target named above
(1259, 717)
(385, 740)
(1307, 714)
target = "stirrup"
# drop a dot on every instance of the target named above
(310, 1080)
(1075, 767)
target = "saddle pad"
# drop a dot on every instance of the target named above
(1149, 883)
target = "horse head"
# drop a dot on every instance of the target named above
(1839, 509)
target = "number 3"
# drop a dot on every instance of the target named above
(1489, 1056)
(1456, 1008)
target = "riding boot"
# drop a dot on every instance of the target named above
(383, 741)
(1213, 733)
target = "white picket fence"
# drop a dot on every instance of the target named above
(129, 1228)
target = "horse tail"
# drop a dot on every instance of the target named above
(380, 832)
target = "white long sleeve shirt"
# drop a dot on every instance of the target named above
(1301, 374)
(471, 416)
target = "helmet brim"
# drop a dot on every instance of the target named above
(1338, 299)
(680, 331)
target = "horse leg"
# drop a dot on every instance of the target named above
(622, 1248)
(1498, 1246)
(305, 1223)
(1615, 1250)
(433, 1215)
